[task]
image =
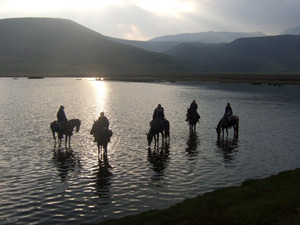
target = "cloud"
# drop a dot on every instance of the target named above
(144, 19)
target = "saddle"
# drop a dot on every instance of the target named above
(231, 122)
(60, 126)
(159, 123)
(104, 133)
(192, 114)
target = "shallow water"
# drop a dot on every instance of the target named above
(45, 184)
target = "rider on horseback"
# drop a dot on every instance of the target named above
(103, 124)
(228, 113)
(103, 121)
(193, 108)
(158, 115)
(61, 119)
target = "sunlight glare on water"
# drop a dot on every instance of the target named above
(42, 183)
(100, 93)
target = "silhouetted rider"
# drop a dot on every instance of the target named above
(228, 112)
(103, 121)
(61, 119)
(61, 116)
(194, 106)
(158, 113)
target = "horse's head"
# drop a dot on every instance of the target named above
(93, 128)
(149, 138)
(78, 124)
(188, 112)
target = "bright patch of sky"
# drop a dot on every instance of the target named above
(146, 19)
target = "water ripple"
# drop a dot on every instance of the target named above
(45, 184)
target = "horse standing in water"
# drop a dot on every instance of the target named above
(102, 136)
(225, 124)
(67, 129)
(192, 118)
(156, 128)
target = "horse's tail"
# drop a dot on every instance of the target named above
(167, 128)
(52, 127)
(237, 123)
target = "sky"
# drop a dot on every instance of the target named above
(147, 19)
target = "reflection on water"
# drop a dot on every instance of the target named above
(228, 148)
(192, 142)
(60, 185)
(159, 158)
(65, 161)
(103, 175)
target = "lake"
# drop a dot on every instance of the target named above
(43, 183)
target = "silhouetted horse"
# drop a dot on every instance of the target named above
(192, 118)
(67, 129)
(158, 127)
(102, 136)
(225, 124)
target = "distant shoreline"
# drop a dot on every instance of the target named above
(273, 79)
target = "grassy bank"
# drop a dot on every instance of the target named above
(273, 201)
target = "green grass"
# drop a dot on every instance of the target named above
(271, 201)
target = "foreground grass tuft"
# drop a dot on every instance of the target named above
(271, 201)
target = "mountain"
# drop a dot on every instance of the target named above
(209, 37)
(164, 43)
(47, 46)
(293, 31)
(153, 46)
(274, 54)
(59, 47)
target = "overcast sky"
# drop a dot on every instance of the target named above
(147, 19)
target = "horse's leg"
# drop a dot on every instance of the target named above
(59, 139)
(105, 149)
(70, 141)
(98, 151)
(235, 131)
(226, 132)
(53, 133)
(66, 139)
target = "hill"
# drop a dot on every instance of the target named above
(153, 46)
(48, 47)
(209, 37)
(293, 31)
(164, 43)
(59, 47)
(274, 54)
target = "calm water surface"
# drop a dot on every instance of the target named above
(45, 184)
